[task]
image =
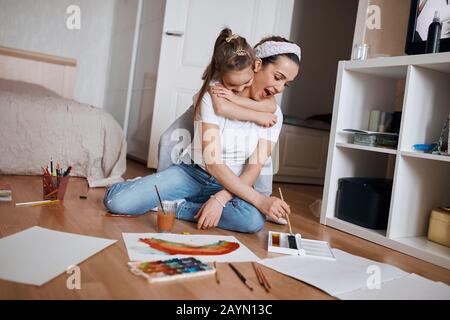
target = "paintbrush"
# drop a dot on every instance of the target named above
(241, 277)
(159, 197)
(287, 215)
(291, 237)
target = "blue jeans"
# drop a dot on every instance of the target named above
(183, 181)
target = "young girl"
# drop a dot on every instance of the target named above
(231, 71)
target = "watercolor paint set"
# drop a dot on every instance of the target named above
(286, 243)
(172, 269)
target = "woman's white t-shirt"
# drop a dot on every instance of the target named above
(239, 139)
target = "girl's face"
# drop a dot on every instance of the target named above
(238, 81)
(272, 78)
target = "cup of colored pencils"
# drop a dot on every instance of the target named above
(54, 181)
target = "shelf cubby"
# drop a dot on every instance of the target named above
(424, 185)
(363, 91)
(427, 101)
(425, 178)
(355, 162)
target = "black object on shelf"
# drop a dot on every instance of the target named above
(396, 120)
(434, 35)
(364, 201)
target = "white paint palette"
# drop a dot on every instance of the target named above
(278, 242)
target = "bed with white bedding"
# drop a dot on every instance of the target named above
(37, 124)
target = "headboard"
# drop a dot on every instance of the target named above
(52, 72)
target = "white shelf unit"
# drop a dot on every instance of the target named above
(421, 181)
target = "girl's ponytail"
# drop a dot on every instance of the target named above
(231, 52)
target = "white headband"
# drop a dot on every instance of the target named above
(273, 48)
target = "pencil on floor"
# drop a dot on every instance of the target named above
(259, 275)
(36, 203)
(264, 279)
(45, 203)
(217, 273)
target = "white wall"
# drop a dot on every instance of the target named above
(122, 33)
(146, 69)
(141, 112)
(324, 29)
(41, 26)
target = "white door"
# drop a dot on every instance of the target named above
(189, 32)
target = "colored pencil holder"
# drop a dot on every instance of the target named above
(54, 188)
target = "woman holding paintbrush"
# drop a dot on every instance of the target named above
(216, 180)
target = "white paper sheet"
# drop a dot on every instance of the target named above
(347, 273)
(410, 287)
(138, 251)
(37, 255)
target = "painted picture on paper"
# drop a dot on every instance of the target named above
(208, 248)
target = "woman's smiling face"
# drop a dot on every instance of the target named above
(272, 78)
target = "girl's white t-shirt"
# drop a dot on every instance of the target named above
(239, 139)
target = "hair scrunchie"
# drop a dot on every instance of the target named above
(232, 37)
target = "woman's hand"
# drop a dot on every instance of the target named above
(222, 92)
(209, 214)
(265, 119)
(273, 207)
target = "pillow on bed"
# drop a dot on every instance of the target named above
(36, 124)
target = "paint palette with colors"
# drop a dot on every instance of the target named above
(286, 243)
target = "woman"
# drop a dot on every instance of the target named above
(215, 192)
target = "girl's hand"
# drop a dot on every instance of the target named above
(222, 92)
(265, 119)
(209, 214)
(274, 207)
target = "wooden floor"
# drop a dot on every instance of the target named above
(105, 275)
